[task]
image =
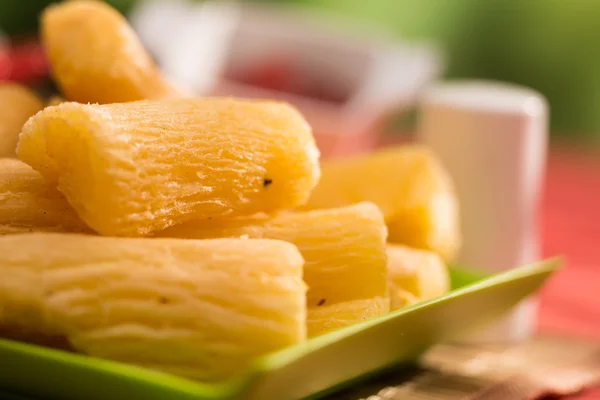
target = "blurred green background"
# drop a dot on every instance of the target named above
(549, 45)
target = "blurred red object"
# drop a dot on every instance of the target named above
(23, 61)
(279, 73)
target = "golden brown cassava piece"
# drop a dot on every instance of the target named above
(28, 203)
(410, 186)
(201, 309)
(415, 275)
(327, 318)
(344, 252)
(134, 168)
(17, 104)
(95, 56)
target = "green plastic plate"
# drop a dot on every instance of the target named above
(307, 370)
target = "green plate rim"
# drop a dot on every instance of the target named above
(290, 354)
(276, 360)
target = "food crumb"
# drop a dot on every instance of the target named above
(321, 302)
